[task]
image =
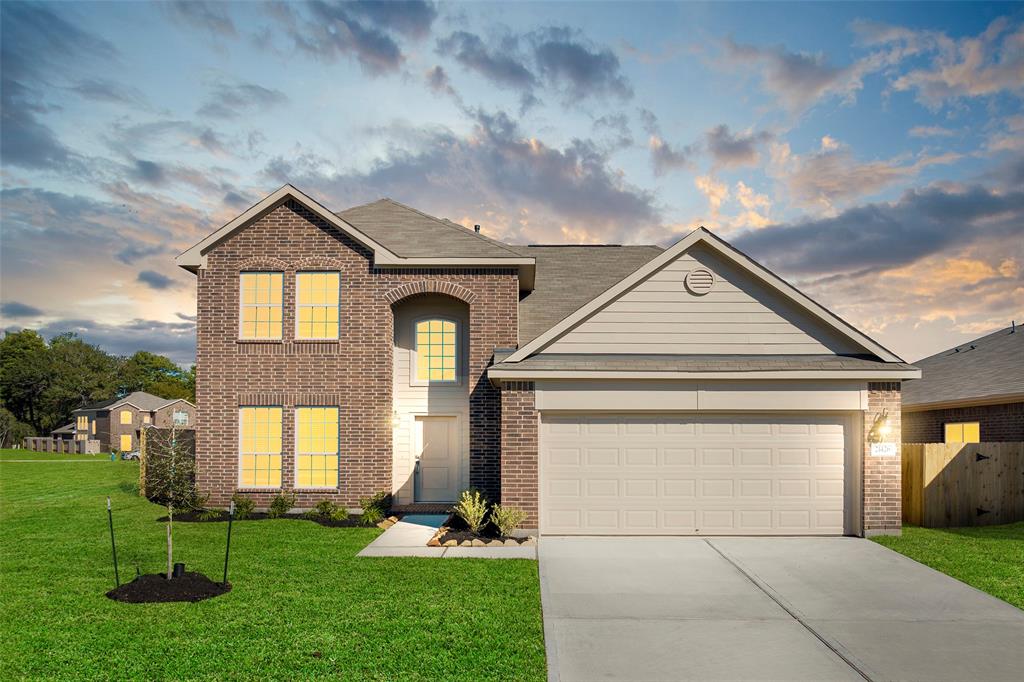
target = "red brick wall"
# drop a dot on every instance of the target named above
(519, 453)
(354, 373)
(882, 475)
(999, 423)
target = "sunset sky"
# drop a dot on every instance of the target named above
(872, 154)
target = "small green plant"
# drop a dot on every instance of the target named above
(471, 508)
(281, 504)
(325, 509)
(209, 514)
(244, 506)
(506, 519)
(375, 508)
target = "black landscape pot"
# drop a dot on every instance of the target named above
(179, 570)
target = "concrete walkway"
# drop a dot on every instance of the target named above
(409, 537)
(765, 609)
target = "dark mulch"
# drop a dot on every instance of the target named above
(155, 587)
(193, 517)
(455, 529)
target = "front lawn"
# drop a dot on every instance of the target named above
(302, 605)
(990, 558)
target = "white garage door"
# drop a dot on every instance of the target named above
(689, 474)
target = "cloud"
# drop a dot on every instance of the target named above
(931, 131)
(14, 309)
(731, 150)
(187, 318)
(176, 340)
(797, 79)
(665, 157)
(155, 280)
(103, 90)
(974, 66)
(229, 101)
(361, 30)
(919, 224)
(501, 65)
(196, 14)
(438, 81)
(576, 66)
(714, 191)
(832, 175)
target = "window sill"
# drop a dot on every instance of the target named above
(259, 341)
(320, 341)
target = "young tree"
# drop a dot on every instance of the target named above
(170, 462)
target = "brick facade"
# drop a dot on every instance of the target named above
(999, 423)
(881, 493)
(519, 454)
(353, 373)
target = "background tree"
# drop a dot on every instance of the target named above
(12, 431)
(81, 373)
(25, 373)
(158, 375)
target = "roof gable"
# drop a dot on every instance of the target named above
(753, 285)
(986, 369)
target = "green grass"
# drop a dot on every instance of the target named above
(298, 589)
(990, 558)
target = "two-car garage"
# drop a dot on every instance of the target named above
(685, 474)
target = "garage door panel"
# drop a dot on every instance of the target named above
(683, 474)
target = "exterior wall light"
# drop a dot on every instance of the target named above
(880, 427)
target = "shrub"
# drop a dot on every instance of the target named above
(325, 509)
(375, 508)
(471, 508)
(506, 519)
(209, 513)
(244, 506)
(281, 504)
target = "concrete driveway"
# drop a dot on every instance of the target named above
(765, 609)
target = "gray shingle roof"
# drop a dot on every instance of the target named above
(414, 234)
(697, 363)
(67, 428)
(569, 277)
(993, 367)
(146, 402)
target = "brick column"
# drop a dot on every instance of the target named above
(519, 449)
(882, 475)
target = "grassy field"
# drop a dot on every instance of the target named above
(990, 558)
(302, 605)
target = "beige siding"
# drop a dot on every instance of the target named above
(411, 401)
(740, 315)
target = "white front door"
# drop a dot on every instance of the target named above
(686, 474)
(437, 459)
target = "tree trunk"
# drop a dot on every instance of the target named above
(170, 542)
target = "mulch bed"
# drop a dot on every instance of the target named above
(155, 587)
(192, 517)
(454, 529)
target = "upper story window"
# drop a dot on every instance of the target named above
(82, 423)
(145, 418)
(126, 416)
(316, 295)
(963, 432)
(260, 316)
(180, 418)
(436, 351)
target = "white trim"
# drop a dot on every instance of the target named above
(295, 457)
(703, 236)
(315, 305)
(414, 380)
(879, 375)
(194, 258)
(239, 453)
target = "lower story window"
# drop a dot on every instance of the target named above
(963, 432)
(126, 442)
(316, 447)
(260, 447)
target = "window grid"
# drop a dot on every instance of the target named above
(261, 305)
(436, 351)
(82, 423)
(317, 296)
(180, 418)
(126, 416)
(316, 447)
(260, 447)
(963, 432)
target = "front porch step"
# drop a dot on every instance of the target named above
(422, 508)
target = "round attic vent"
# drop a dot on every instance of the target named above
(700, 281)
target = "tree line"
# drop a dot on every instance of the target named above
(42, 383)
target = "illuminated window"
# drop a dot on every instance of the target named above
(435, 351)
(261, 305)
(260, 447)
(126, 416)
(126, 442)
(317, 305)
(963, 432)
(145, 419)
(82, 423)
(93, 425)
(316, 447)
(81, 436)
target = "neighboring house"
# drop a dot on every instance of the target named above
(116, 423)
(973, 393)
(603, 389)
(66, 432)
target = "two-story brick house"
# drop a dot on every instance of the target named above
(604, 389)
(117, 422)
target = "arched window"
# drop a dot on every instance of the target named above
(436, 351)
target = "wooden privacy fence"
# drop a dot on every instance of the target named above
(963, 484)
